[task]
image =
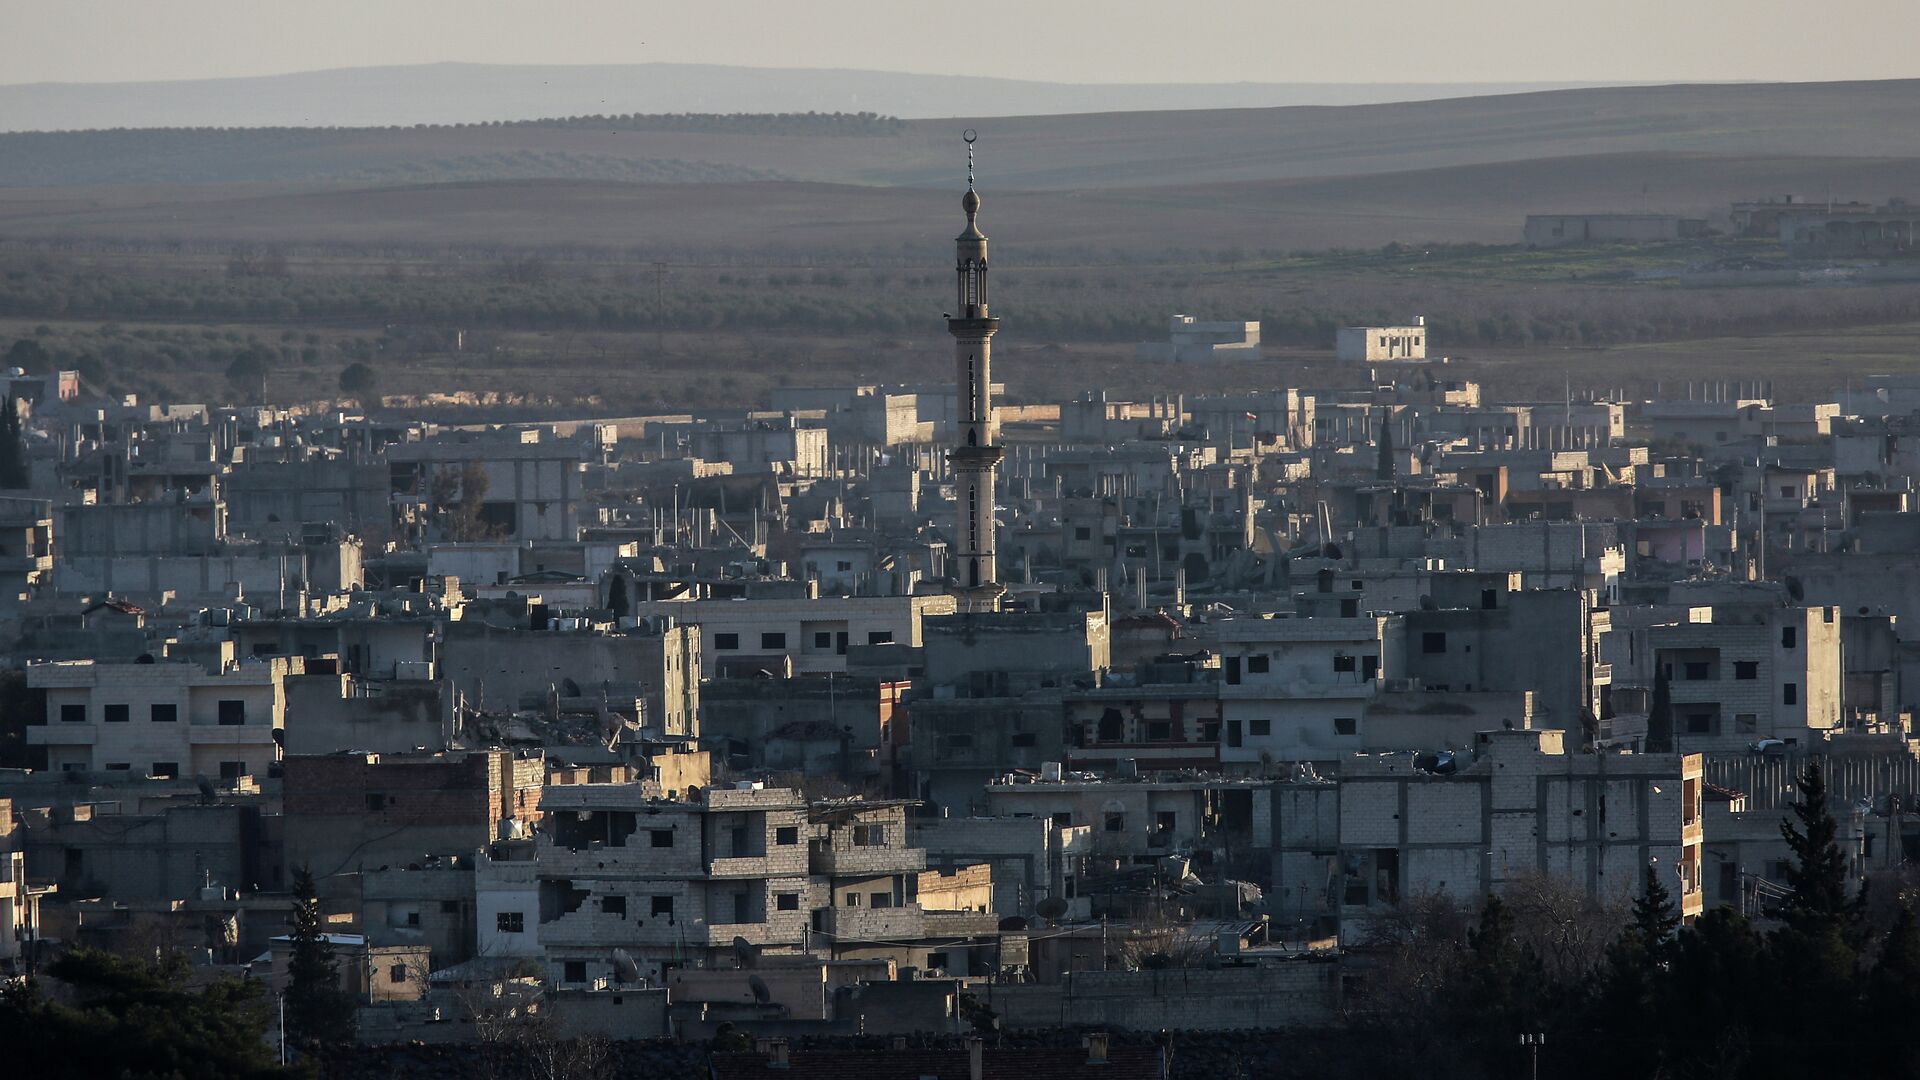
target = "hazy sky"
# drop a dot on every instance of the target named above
(1058, 40)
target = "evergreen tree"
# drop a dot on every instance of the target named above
(1654, 919)
(1634, 982)
(1817, 877)
(1383, 468)
(360, 381)
(1503, 987)
(135, 1020)
(1893, 997)
(248, 373)
(1660, 714)
(617, 598)
(319, 1013)
(13, 448)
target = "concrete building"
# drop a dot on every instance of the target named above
(181, 526)
(671, 883)
(1560, 230)
(1033, 859)
(657, 660)
(534, 482)
(329, 711)
(1737, 676)
(1142, 820)
(1853, 231)
(19, 899)
(163, 719)
(1377, 344)
(359, 811)
(131, 854)
(1013, 652)
(1190, 340)
(1397, 826)
(268, 497)
(1295, 689)
(26, 548)
(812, 636)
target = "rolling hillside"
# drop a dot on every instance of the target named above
(1469, 203)
(478, 93)
(1041, 153)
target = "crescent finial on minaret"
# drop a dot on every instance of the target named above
(970, 202)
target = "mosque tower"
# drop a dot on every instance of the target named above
(976, 451)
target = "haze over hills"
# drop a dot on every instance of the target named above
(1461, 169)
(477, 93)
(1063, 152)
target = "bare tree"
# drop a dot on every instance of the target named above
(1565, 925)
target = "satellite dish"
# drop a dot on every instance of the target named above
(624, 968)
(1013, 922)
(744, 953)
(761, 994)
(1051, 908)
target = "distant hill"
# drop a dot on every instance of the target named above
(470, 93)
(1461, 169)
(1056, 153)
(1471, 203)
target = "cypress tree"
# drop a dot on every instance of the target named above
(13, 449)
(1817, 877)
(319, 1013)
(1660, 714)
(1654, 919)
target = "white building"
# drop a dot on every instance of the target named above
(1374, 344)
(163, 719)
(1295, 689)
(1395, 827)
(1191, 341)
(812, 634)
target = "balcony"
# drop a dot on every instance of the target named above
(788, 929)
(849, 861)
(57, 734)
(745, 866)
(961, 923)
(583, 928)
(230, 735)
(907, 921)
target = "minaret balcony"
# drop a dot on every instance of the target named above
(982, 326)
(975, 457)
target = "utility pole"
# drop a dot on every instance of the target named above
(1533, 1041)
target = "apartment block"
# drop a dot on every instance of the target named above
(1395, 826)
(163, 718)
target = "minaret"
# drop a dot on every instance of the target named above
(976, 452)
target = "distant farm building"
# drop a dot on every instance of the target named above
(1373, 344)
(1853, 230)
(1766, 217)
(1189, 340)
(1560, 230)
